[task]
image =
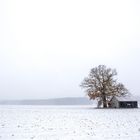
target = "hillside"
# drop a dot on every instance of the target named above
(56, 101)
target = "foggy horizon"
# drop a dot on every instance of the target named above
(48, 47)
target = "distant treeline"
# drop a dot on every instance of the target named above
(57, 101)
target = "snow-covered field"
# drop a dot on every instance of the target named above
(68, 123)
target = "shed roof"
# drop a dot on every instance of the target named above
(126, 98)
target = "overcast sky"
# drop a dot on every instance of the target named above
(48, 47)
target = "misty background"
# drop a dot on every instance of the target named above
(48, 47)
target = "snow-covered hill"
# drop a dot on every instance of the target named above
(57, 101)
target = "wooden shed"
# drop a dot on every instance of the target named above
(123, 102)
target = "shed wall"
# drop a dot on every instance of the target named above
(114, 103)
(128, 104)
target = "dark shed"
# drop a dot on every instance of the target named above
(123, 102)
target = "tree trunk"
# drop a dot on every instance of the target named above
(104, 101)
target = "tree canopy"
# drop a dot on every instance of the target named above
(102, 85)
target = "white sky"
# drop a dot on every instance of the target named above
(48, 47)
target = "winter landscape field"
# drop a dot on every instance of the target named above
(68, 123)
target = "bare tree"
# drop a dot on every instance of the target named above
(101, 85)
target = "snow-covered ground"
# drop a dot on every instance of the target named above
(68, 123)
